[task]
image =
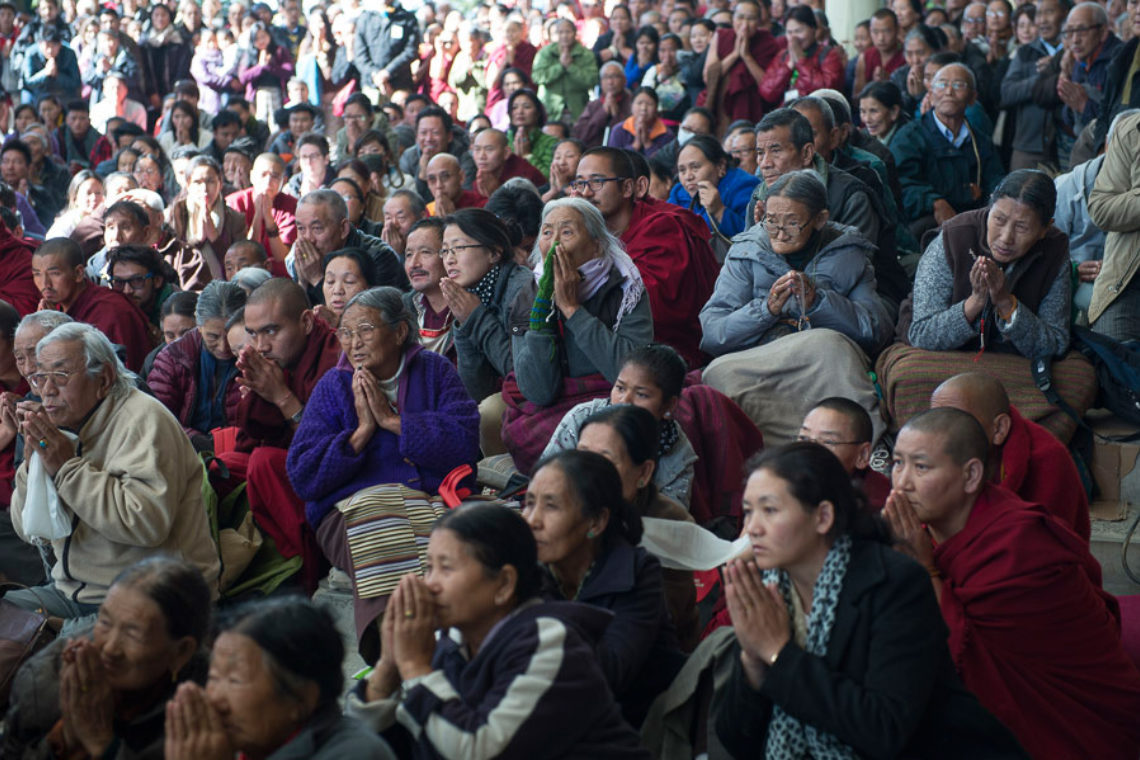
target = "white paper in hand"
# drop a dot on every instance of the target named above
(687, 546)
(44, 515)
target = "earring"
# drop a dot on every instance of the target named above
(641, 484)
(590, 534)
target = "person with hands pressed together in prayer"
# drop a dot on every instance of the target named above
(566, 73)
(842, 652)
(519, 666)
(402, 209)
(643, 131)
(610, 109)
(734, 67)
(445, 179)
(270, 214)
(527, 138)
(206, 224)
(496, 163)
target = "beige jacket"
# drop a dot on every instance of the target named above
(135, 487)
(1114, 205)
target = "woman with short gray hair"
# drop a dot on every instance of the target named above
(391, 416)
(194, 377)
(796, 298)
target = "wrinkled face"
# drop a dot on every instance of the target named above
(69, 393)
(490, 151)
(89, 196)
(313, 162)
(445, 179)
(237, 168)
(213, 332)
(776, 154)
(1049, 18)
(781, 530)
(174, 326)
(803, 34)
(24, 348)
(13, 167)
(612, 195)
(974, 21)
(916, 52)
(371, 343)
(612, 80)
(461, 587)
(1083, 33)
(1012, 229)
(315, 223)
(343, 280)
(256, 717)
(694, 167)
(876, 117)
(431, 135)
(884, 35)
(204, 186)
(465, 259)
(789, 224)
(134, 646)
(134, 281)
(953, 91)
(274, 334)
(934, 483)
(398, 212)
(122, 229)
(57, 282)
(834, 431)
(422, 260)
(742, 147)
(574, 243)
(555, 516)
(644, 108)
(746, 20)
(524, 113)
(239, 257)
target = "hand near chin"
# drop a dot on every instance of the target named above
(85, 698)
(414, 624)
(907, 531)
(759, 617)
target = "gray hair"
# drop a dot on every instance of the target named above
(249, 278)
(803, 186)
(522, 183)
(389, 303)
(419, 208)
(593, 221)
(1100, 15)
(1115, 121)
(838, 102)
(609, 64)
(965, 68)
(330, 198)
(821, 106)
(47, 320)
(98, 352)
(219, 300)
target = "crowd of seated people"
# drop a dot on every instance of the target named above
(490, 313)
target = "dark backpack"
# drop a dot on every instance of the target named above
(1117, 372)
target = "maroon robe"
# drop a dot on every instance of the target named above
(16, 284)
(117, 317)
(671, 249)
(1034, 636)
(739, 92)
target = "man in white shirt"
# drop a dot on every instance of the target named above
(116, 103)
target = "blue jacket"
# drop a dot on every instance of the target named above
(737, 317)
(1086, 240)
(439, 432)
(735, 190)
(65, 84)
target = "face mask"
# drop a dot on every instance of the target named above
(683, 135)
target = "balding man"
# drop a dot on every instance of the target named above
(270, 215)
(1031, 631)
(402, 210)
(1024, 457)
(610, 109)
(945, 166)
(59, 272)
(323, 227)
(495, 164)
(445, 179)
(287, 352)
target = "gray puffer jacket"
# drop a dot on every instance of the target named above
(483, 340)
(737, 316)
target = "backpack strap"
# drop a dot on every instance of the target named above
(1042, 370)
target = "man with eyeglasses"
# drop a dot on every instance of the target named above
(1122, 80)
(945, 165)
(445, 179)
(58, 271)
(844, 428)
(137, 272)
(669, 244)
(312, 170)
(1035, 136)
(495, 163)
(741, 145)
(287, 352)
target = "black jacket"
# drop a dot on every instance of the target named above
(1114, 90)
(387, 41)
(886, 687)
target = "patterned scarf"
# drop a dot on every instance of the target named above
(788, 738)
(485, 288)
(667, 436)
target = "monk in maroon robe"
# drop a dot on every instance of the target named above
(734, 68)
(16, 284)
(1024, 457)
(495, 164)
(668, 244)
(1032, 633)
(59, 274)
(843, 427)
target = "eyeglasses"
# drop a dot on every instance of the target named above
(996, 14)
(455, 249)
(975, 19)
(136, 282)
(792, 229)
(1073, 31)
(826, 442)
(350, 198)
(594, 183)
(958, 86)
(59, 378)
(364, 330)
(356, 117)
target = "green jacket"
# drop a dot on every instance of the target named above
(564, 89)
(542, 148)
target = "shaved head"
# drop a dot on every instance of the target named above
(444, 161)
(491, 137)
(981, 396)
(66, 248)
(288, 295)
(961, 436)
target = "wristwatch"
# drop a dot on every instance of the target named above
(296, 418)
(272, 233)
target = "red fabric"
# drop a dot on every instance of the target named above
(103, 150)
(670, 247)
(515, 166)
(261, 421)
(1130, 626)
(467, 199)
(497, 60)
(527, 427)
(277, 510)
(16, 284)
(117, 317)
(8, 458)
(738, 93)
(1036, 467)
(284, 215)
(724, 438)
(1034, 636)
(873, 59)
(812, 75)
(876, 487)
